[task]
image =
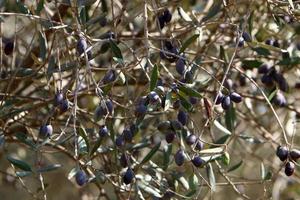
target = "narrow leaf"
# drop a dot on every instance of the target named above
(262, 171)
(23, 173)
(250, 64)
(193, 182)
(43, 45)
(168, 101)
(185, 103)
(250, 139)
(191, 193)
(188, 42)
(211, 158)
(230, 118)
(104, 6)
(39, 7)
(19, 163)
(291, 4)
(211, 176)
(167, 153)
(116, 50)
(268, 176)
(49, 168)
(51, 67)
(154, 77)
(150, 190)
(236, 166)
(250, 22)
(72, 173)
(189, 91)
(213, 11)
(184, 182)
(83, 134)
(212, 150)
(223, 54)
(150, 154)
(261, 51)
(221, 128)
(226, 158)
(222, 139)
(82, 145)
(272, 94)
(265, 46)
(184, 15)
(83, 15)
(23, 138)
(96, 146)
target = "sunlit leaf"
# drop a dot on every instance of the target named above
(82, 132)
(184, 182)
(150, 190)
(24, 173)
(212, 150)
(250, 139)
(221, 128)
(211, 176)
(291, 4)
(72, 173)
(193, 182)
(226, 158)
(184, 15)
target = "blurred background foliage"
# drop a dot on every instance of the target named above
(116, 64)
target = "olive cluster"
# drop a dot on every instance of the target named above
(104, 108)
(289, 157)
(271, 78)
(182, 69)
(171, 53)
(272, 42)
(173, 129)
(225, 100)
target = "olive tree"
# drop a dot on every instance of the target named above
(147, 99)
